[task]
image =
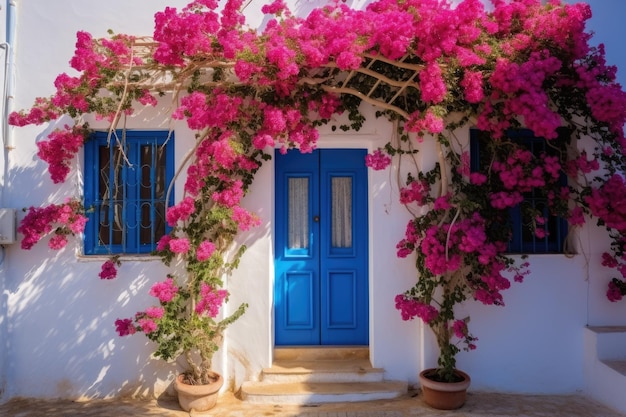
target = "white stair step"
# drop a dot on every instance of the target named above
(611, 342)
(317, 393)
(605, 365)
(619, 366)
(305, 353)
(327, 370)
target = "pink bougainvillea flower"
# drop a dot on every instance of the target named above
(608, 260)
(244, 219)
(460, 328)
(614, 293)
(179, 245)
(477, 178)
(541, 233)
(165, 291)
(608, 202)
(576, 217)
(147, 325)
(108, 271)
(411, 308)
(230, 196)
(125, 327)
(180, 212)
(205, 250)
(163, 243)
(416, 191)
(211, 300)
(377, 160)
(58, 241)
(63, 218)
(155, 312)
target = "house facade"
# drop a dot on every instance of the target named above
(57, 333)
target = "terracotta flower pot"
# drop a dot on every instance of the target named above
(444, 395)
(197, 397)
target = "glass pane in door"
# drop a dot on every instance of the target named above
(341, 212)
(298, 228)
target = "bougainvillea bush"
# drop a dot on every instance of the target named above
(432, 69)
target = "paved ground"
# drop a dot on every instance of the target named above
(477, 405)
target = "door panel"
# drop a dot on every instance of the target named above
(341, 306)
(321, 294)
(299, 300)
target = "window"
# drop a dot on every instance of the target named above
(125, 191)
(523, 239)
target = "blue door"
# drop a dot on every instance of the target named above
(321, 295)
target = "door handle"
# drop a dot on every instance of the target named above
(316, 219)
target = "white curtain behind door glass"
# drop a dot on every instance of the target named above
(341, 212)
(298, 213)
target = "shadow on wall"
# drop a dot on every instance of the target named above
(61, 339)
(4, 345)
(58, 316)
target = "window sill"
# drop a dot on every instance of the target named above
(122, 258)
(528, 255)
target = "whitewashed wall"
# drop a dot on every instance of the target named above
(57, 337)
(3, 165)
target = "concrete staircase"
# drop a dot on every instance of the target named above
(303, 375)
(605, 365)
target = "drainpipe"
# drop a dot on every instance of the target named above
(9, 69)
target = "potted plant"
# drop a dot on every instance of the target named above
(184, 321)
(460, 231)
(459, 240)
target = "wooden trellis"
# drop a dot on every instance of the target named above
(374, 87)
(387, 84)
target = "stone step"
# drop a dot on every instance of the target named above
(605, 365)
(305, 353)
(619, 366)
(318, 393)
(315, 375)
(325, 370)
(611, 342)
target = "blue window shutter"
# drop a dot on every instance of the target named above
(90, 172)
(132, 221)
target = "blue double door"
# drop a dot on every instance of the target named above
(321, 283)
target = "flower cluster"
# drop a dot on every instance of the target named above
(99, 61)
(148, 321)
(617, 290)
(606, 202)
(165, 291)
(109, 268)
(617, 286)
(210, 300)
(459, 327)
(377, 160)
(59, 219)
(411, 308)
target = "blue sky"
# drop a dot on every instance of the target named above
(609, 26)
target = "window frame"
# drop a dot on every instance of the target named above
(131, 177)
(553, 243)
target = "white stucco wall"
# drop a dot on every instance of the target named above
(57, 337)
(4, 55)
